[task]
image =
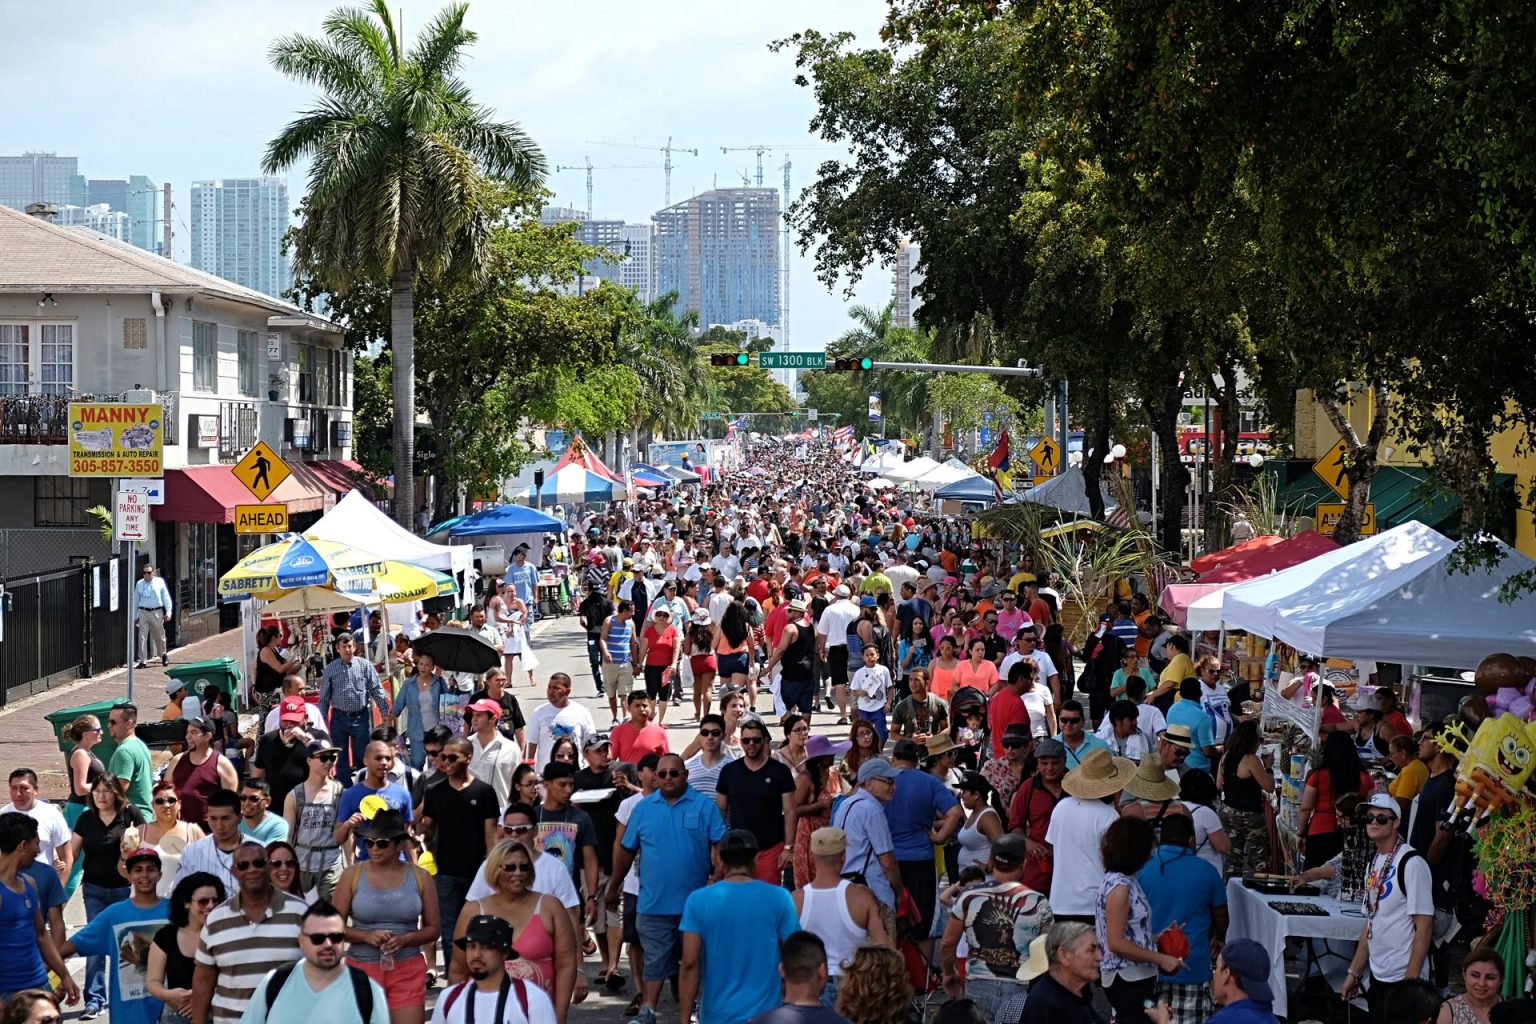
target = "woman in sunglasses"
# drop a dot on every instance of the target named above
(310, 809)
(525, 786)
(283, 867)
(174, 947)
(390, 906)
(168, 835)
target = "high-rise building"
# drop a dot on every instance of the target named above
(98, 217)
(136, 196)
(552, 215)
(904, 277)
(635, 243)
(36, 178)
(720, 252)
(237, 231)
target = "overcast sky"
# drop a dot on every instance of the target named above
(181, 91)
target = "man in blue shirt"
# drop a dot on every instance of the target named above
(350, 816)
(731, 935)
(1188, 712)
(347, 687)
(1074, 736)
(123, 933)
(922, 814)
(870, 852)
(1240, 986)
(674, 830)
(1183, 889)
(152, 611)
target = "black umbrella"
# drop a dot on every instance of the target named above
(456, 649)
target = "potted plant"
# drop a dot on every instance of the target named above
(276, 385)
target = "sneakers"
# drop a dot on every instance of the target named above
(92, 1012)
(165, 659)
(138, 664)
(647, 1015)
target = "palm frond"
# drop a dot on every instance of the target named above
(439, 48)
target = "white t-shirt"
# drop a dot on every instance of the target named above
(728, 566)
(540, 1009)
(873, 683)
(1149, 722)
(621, 815)
(1076, 828)
(833, 624)
(1045, 667)
(53, 832)
(1036, 701)
(311, 711)
(899, 574)
(718, 603)
(548, 723)
(550, 877)
(1206, 821)
(1392, 927)
(1132, 747)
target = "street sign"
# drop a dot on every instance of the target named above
(153, 490)
(261, 471)
(1330, 512)
(130, 516)
(710, 416)
(1330, 469)
(792, 360)
(115, 439)
(1046, 455)
(810, 414)
(261, 518)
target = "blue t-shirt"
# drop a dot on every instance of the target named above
(1244, 1011)
(918, 800)
(1091, 742)
(352, 801)
(739, 975)
(862, 817)
(22, 966)
(123, 934)
(1181, 887)
(271, 828)
(674, 841)
(1189, 712)
(49, 889)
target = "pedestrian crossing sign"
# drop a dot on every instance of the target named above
(261, 471)
(1330, 469)
(1046, 455)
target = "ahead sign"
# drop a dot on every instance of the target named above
(261, 518)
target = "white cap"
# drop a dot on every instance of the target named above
(1384, 802)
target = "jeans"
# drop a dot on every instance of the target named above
(97, 899)
(450, 901)
(877, 719)
(595, 657)
(829, 991)
(350, 731)
(990, 994)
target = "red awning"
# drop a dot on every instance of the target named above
(209, 494)
(1293, 551)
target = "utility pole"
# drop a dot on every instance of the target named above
(165, 209)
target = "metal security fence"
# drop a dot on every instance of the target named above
(28, 550)
(62, 625)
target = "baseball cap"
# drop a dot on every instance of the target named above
(1009, 847)
(142, 853)
(1050, 747)
(1384, 802)
(876, 768)
(595, 741)
(173, 684)
(1249, 965)
(738, 840)
(486, 705)
(841, 591)
(828, 842)
(292, 710)
(488, 930)
(318, 747)
(906, 750)
(868, 601)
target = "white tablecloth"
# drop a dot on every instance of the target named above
(1252, 917)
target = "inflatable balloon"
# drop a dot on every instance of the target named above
(1527, 665)
(1473, 709)
(1500, 670)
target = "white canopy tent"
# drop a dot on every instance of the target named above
(1393, 597)
(356, 520)
(944, 473)
(882, 463)
(1067, 491)
(914, 470)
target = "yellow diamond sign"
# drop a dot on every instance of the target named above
(1330, 469)
(261, 471)
(1046, 455)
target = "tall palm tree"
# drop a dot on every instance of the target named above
(400, 152)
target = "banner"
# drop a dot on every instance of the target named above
(874, 406)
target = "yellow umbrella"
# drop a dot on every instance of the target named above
(296, 562)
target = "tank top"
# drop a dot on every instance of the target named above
(797, 660)
(315, 838)
(92, 773)
(268, 679)
(194, 783)
(396, 910)
(824, 912)
(536, 954)
(1242, 794)
(975, 848)
(619, 636)
(855, 643)
(22, 966)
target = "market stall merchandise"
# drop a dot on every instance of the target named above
(1332, 934)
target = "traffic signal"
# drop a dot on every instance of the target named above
(727, 359)
(865, 363)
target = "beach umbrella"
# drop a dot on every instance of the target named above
(295, 562)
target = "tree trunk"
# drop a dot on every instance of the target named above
(1218, 528)
(402, 344)
(1098, 440)
(1173, 478)
(1359, 459)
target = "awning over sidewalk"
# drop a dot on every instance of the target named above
(209, 494)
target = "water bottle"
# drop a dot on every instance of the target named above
(386, 961)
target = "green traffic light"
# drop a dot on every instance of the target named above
(742, 359)
(866, 363)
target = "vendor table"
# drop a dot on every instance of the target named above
(1253, 917)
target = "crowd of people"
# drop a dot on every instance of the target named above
(903, 785)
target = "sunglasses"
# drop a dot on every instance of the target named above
(379, 844)
(246, 865)
(285, 863)
(434, 753)
(204, 901)
(516, 830)
(326, 938)
(1380, 819)
(1071, 721)
(450, 758)
(517, 869)
(669, 773)
(325, 758)
(165, 801)
(251, 798)
(754, 740)
(710, 733)
(1015, 744)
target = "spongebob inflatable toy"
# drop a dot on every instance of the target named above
(1496, 763)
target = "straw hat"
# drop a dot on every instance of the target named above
(1178, 736)
(1151, 782)
(943, 743)
(1100, 774)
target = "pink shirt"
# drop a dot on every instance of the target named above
(1009, 623)
(631, 744)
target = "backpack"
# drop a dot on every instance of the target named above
(518, 987)
(362, 992)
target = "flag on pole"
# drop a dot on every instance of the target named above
(844, 433)
(999, 458)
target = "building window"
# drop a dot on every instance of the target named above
(250, 362)
(205, 356)
(62, 501)
(56, 371)
(50, 363)
(202, 565)
(15, 362)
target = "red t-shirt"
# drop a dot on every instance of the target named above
(773, 625)
(1399, 723)
(758, 588)
(631, 744)
(1324, 820)
(663, 646)
(1030, 811)
(1006, 709)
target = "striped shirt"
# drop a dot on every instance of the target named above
(702, 777)
(620, 633)
(242, 952)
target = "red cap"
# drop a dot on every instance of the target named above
(292, 710)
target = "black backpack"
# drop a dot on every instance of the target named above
(362, 992)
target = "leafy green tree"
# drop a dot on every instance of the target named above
(741, 389)
(399, 153)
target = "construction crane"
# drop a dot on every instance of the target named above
(766, 147)
(668, 149)
(589, 168)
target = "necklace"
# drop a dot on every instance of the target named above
(1379, 878)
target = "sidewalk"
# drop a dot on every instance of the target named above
(28, 738)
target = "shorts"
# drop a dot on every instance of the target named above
(799, 693)
(404, 986)
(837, 664)
(618, 677)
(605, 918)
(661, 940)
(766, 868)
(702, 663)
(631, 929)
(655, 681)
(920, 878)
(733, 664)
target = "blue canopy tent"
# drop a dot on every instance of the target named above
(500, 519)
(973, 488)
(650, 476)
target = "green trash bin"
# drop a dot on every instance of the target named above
(61, 718)
(223, 672)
